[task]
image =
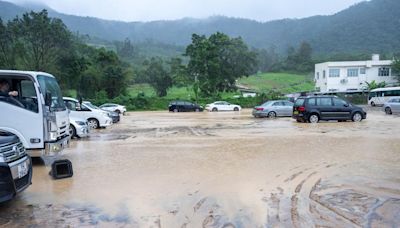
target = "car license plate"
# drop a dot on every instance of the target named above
(296, 112)
(22, 170)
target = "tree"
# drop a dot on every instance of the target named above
(374, 85)
(396, 68)
(7, 55)
(179, 72)
(300, 60)
(216, 62)
(39, 40)
(157, 76)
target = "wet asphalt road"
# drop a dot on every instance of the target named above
(159, 169)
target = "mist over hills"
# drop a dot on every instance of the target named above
(371, 26)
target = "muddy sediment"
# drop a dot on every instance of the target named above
(159, 169)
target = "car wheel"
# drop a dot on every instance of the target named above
(373, 104)
(118, 111)
(175, 110)
(388, 110)
(236, 109)
(357, 117)
(72, 131)
(215, 110)
(314, 118)
(93, 123)
(271, 114)
(197, 110)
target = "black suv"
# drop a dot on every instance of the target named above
(184, 106)
(315, 108)
(15, 167)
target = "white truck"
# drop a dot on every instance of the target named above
(37, 115)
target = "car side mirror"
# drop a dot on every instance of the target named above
(346, 105)
(47, 99)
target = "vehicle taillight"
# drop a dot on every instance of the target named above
(260, 109)
(301, 109)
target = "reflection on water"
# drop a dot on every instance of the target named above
(162, 169)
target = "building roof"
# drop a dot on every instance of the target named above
(368, 63)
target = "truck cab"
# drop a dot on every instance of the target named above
(37, 115)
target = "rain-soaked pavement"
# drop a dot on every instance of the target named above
(159, 169)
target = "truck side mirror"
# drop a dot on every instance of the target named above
(48, 99)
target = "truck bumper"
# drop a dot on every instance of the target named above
(15, 177)
(51, 148)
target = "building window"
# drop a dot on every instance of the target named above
(334, 73)
(384, 71)
(317, 75)
(362, 70)
(352, 72)
(323, 74)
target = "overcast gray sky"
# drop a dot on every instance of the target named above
(148, 10)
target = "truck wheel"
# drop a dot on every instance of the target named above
(93, 123)
(72, 131)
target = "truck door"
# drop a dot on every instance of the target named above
(22, 115)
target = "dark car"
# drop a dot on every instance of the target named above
(315, 108)
(184, 106)
(15, 167)
(114, 116)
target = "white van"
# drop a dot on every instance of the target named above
(96, 118)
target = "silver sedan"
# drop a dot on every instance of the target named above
(274, 109)
(392, 106)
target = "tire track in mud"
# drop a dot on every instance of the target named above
(297, 202)
(320, 197)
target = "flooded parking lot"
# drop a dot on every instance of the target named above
(159, 169)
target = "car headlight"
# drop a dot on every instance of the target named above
(81, 123)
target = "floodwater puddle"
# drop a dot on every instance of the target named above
(158, 169)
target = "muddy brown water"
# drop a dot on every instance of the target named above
(159, 169)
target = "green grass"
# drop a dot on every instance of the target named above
(264, 82)
(281, 82)
(185, 93)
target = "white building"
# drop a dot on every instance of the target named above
(352, 75)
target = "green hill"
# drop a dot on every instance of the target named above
(367, 27)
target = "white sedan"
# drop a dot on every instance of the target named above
(120, 109)
(222, 106)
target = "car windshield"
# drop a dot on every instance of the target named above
(268, 103)
(299, 102)
(90, 105)
(50, 85)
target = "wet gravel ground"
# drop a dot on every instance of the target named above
(159, 169)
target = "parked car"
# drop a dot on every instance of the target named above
(113, 115)
(315, 108)
(392, 106)
(15, 167)
(96, 118)
(78, 127)
(120, 109)
(222, 106)
(184, 106)
(274, 109)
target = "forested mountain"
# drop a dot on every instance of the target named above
(371, 26)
